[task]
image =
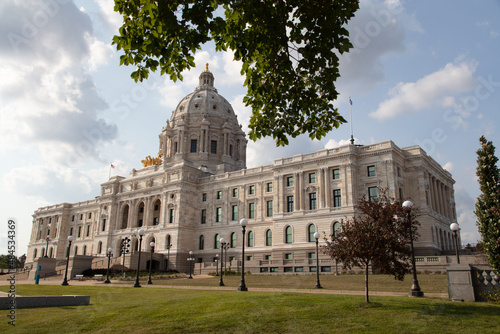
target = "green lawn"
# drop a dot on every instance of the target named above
(121, 309)
(383, 283)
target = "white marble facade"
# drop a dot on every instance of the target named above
(203, 189)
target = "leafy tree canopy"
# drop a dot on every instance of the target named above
(379, 235)
(289, 51)
(488, 203)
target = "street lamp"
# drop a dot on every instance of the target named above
(415, 288)
(191, 261)
(141, 234)
(168, 255)
(318, 285)
(125, 249)
(243, 287)
(152, 245)
(221, 244)
(65, 281)
(47, 246)
(110, 253)
(454, 227)
(216, 264)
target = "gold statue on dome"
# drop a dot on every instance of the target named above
(206, 68)
(148, 161)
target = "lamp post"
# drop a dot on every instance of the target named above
(216, 264)
(221, 244)
(47, 246)
(191, 261)
(141, 234)
(243, 287)
(415, 288)
(110, 253)
(318, 285)
(125, 249)
(152, 245)
(226, 247)
(454, 227)
(168, 255)
(65, 281)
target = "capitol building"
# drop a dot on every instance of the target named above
(198, 189)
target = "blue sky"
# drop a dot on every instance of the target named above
(421, 73)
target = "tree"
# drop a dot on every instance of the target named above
(6, 262)
(379, 236)
(488, 203)
(289, 52)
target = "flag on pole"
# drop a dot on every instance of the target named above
(350, 101)
(112, 166)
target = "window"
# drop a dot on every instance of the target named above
(233, 240)
(372, 193)
(217, 241)
(79, 231)
(104, 224)
(218, 215)
(311, 255)
(219, 194)
(81, 216)
(139, 222)
(288, 235)
(90, 216)
(267, 257)
(194, 145)
(269, 208)
(171, 216)
(289, 204)
(203, 216)
(203, 197)
(250, 239)
(399, 171)
(251, 210)
(289, 181)
(70, 231)
(251, 190)
(234, 214)
(288, 256)
(269, 238)
(99, 247)
(371, 170)
(400, 193)
(312, 201)
(213, 146)
(269, 187)
(201, 243)
(310, 231)
(175, 147)
(336, 229)
(337, 198)
(235, 192)
(336, 174)
(157, 207)
(85, 250)
(73, 218)
(312, 177)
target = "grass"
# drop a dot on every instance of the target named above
(119, 309)
(382, 283)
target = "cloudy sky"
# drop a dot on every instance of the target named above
(421, 73)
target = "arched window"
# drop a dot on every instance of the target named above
(156, 212)
(310, 233)
(43, 252)
(140, 214)
(99, 247)
(233, 240)
(217, 241)
(269, 238)
(85, 250)
(125, 216)
(288, 235)
(336, 229)
(35, 253)
(76, 250)
(250, 239)
(50, 252)
(201, 244)
(168, 239)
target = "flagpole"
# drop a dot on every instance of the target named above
(350, 120)
(109, 176)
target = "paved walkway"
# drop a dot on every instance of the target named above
(221, 288)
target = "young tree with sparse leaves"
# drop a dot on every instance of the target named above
(288, 49)
(488, 203)
(378, 236)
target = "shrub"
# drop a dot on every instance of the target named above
(492, 296)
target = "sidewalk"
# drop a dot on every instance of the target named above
(223, 288)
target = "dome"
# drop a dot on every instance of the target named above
(204, 130)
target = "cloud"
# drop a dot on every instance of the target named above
(449, 166)
(435, 89)
(376, 31)
(48, 97)
(332, 143)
